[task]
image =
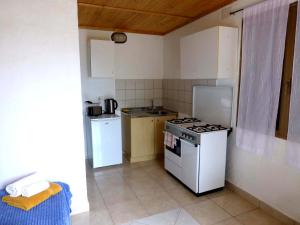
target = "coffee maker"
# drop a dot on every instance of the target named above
(110, 106)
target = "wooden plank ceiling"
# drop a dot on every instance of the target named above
(143, 16)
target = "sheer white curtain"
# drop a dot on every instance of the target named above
(264, 35)
(294, 117)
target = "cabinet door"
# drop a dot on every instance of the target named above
(142, 137)
(102, 59)
(159, 135)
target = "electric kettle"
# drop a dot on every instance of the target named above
(110, 105)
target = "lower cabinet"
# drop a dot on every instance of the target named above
(143, 137)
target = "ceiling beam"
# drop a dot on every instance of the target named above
(132, 10)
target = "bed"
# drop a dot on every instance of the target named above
(54, 211)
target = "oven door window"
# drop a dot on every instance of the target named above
(177, 148)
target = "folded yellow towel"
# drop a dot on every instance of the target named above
(28, 203)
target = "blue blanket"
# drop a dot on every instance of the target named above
(54, 211)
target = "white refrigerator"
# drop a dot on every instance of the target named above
(104, 140)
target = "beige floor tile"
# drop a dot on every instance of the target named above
(96, 202)
(168, 182)
(127, 211)
(99, 217)
(141, 182)
(158, 202)
(153, 168)
(257, 217)
(107, 171)
(184, 197)
(108, 183)
(220, 193)
(233, 204)
(165, 218)
(231, 221)
(207, 212)
(131, 173)
(185, 219)
(118, 195)
(157, 174)
(95, 198)
(146, 190)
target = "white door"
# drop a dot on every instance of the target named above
(190, 165)
(106, 139)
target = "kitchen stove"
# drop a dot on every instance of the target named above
(195, 150)
(191, 129)
(199, 155)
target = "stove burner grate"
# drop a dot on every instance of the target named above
(184, 120)
(206, 128)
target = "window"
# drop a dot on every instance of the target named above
(286, 83)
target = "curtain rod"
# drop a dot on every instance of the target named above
(239, 10)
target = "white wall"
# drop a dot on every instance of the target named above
(40, 116)
(269, 179)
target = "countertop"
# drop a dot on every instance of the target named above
(147, 112)
(104, 116)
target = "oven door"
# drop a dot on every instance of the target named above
(190, 159)
(173, 159)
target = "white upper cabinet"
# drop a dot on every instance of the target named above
(210, 54)
(102, 58)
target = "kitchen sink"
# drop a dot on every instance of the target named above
(158, 112)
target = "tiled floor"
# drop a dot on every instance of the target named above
(127, 193)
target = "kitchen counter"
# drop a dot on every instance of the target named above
(147, 112)
(104, 116)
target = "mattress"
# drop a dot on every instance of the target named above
(54, 211)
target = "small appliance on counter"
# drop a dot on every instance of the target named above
(110, 106)
(93, 109)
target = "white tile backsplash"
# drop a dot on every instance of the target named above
(140, 84)
(157, 93)
(149, 94)
(130, 103)
(149, 84)
(139, 103)
(174, 94)
(120, 95)
(140, 94)
(157, 84)
(130, 94)
(130, 84)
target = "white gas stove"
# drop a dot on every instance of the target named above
(190, 129)
(198, 156)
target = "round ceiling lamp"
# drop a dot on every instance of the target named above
(119, 37)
